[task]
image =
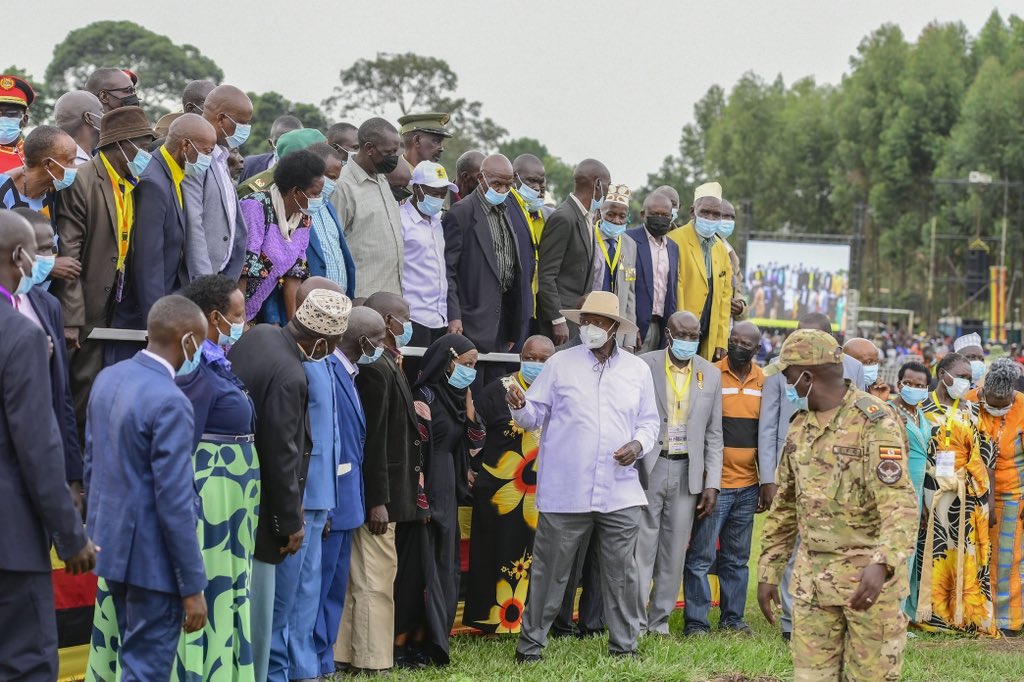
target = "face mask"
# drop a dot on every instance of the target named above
(997, 411)
(241, 134)
(400, 194)
(387, 164)
(312, 356)
(530, 370)
(675, 214)
(191, 364)
(200, 165)
(10, 129)
(130, 101)
(593, 336)
(684, 350)
(41, 268)
(725, 228)
(958, 389)
(329, 186)
(595, 203)
(977, 370)
(531, 197)
(233, 334)
(611, 230)
(739, 356)
(429, 205)
(66, 181)
(461, 376)
(137, 163)
(26, 281)
(365, 359)
(494, 198)
(406, 335)
(913, 395)
(705, 227)
(798, 401)
(870, 374)
(658, 225)
(313, 205)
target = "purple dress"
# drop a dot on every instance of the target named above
(269, 257)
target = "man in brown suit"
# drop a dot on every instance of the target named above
(94, 219)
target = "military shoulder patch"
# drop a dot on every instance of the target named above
(871, 407)
(890, 452)
(889, 472)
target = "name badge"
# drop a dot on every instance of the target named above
(677, 440)
(344, 468)
(945, 464)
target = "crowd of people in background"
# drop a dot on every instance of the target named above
(787, 292)
(210, 403)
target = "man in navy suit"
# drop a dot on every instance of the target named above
(156, 261)
(657, 263)
(142, 497)
(36, 506)
(350, 513)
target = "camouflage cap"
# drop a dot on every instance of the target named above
(808, 348)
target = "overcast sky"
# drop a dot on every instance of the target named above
(612, 79)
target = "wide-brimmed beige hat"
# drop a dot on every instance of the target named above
(605, 304)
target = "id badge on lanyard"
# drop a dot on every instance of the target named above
(677, 440)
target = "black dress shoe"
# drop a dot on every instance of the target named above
(787, 636)
(625, 654)
(527, 658)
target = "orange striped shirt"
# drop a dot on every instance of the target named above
(741, 408)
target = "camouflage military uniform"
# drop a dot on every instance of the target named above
(844, 487)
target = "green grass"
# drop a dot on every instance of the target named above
(726, 657)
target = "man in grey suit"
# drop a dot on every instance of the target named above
(776, 412)
(566, 252)
(215, 233)
(683, 472)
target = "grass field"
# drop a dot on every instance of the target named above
(720, 658)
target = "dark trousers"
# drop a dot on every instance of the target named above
(422, 337)
(28, 628)
(84, 364)
(149, 623)
(586, 574)
(337, 556)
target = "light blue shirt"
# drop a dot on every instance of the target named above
(329, 234)
(321, 483)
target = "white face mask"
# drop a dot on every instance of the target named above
(593, 336)
(958, 389)
(998, 411)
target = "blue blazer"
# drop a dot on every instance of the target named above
(49, 312)
(645, 279)
(139, 479)
(527, 265)
(351, 512)
(315, 255)
(254, 164)
(35, 505)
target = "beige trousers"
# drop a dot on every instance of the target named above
(366, 635)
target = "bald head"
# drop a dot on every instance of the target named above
(746, 331)
(313, 283)
(225, 107)
(496, 173)
(527, 164)
(188, 131)
(861, 350)
(387, 303)
(78, 113)
(657, 203)
(193, 97)
(363, 323)
(15, 231)
(466, 170)
(537, 348)
(815, 321)
(113, 88)
(591, 179)
(173, 317)
(671, 193)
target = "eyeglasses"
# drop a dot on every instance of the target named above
(129, 90)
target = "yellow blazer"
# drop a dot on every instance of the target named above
(693, 285)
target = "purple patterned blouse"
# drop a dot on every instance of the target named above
(269, 257)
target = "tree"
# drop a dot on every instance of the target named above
(163, 67)
(559, 173)
(268, 106)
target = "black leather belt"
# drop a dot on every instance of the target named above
(228, 440)
(675, 458)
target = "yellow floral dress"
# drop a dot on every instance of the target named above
(953, 548)
(504, 518)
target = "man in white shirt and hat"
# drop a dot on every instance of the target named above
(597, 405)
(969, 346)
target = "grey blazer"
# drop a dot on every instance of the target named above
(625, 287)
(208, 236)
(703, 424)
(776, 412)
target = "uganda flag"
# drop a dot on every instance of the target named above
(73, 597)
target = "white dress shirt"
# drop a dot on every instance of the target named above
(659, 263)
(167, 365)
(586, 411)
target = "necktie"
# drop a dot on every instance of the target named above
(608, 281)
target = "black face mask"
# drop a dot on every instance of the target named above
(400, 193)
(658, 225)
(388, 164)
(738, 356)
(130, 101)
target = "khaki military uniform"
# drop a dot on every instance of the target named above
(843, 485)
(257, 183)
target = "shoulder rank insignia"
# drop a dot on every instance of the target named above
(871, 408)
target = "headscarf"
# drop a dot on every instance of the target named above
(433, 373)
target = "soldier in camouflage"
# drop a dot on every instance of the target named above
(843, 485)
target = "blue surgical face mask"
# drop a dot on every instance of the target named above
(913, 395)
(137, 163)
(67, 180)
(313, 204)
(329, 187)
(530, 370)
(531, 197)
(611, 230)
(494, 198)
(683, 349)
(461, 376)
(725, 228)
(42, 267)
(365, 359)
(10, 129)
(191, 364)
(241, 134)
(200, 165)
(798, 401)
(406, 335)
(706, 227)
(977, 370)
(870, 374)
(429, 205)
(26, 282)
(234, 333)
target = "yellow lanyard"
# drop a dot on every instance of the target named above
(950, 413)
(612, 264)
(125, 209)
(680, 393)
